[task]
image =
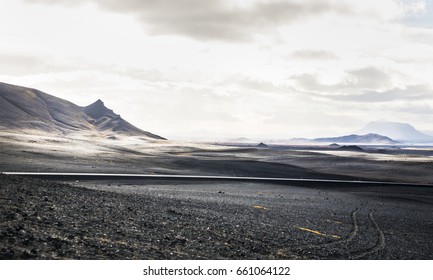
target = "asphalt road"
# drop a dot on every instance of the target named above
(296, 181)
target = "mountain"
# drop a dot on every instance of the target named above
(30, 109)
(402, 132)
(370, 138)
(105, 120)
(428, 132)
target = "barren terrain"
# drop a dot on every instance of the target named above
(92, 153)
(168, 219)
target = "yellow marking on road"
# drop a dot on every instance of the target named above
(318, 232)
(260, 207)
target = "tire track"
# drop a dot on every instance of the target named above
(355, 227)
(380, 244)
(354, 232)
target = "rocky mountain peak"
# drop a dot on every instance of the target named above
(97, 110)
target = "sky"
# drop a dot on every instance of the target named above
(194, 69)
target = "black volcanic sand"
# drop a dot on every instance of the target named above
(166, 220)
(18, 153)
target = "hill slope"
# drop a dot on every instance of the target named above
(30, 109)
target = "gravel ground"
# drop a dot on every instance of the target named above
(50, 220)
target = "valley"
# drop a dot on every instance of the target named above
(202, 200)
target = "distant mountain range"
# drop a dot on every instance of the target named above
(401, 132)
(24, 109)
(30, 109)
(379, 132)
(370, 138)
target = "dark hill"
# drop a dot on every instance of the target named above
(30, 109)
(351, 148)
(370, 138)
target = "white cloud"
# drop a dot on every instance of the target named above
(213, 19)
(314, 54)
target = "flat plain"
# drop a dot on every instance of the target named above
(172, 219)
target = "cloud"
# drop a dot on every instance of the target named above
(245, 85)
(216, 19)
(314, 55)
(417, 109)
(410, 93)
(361, 88)
(353, 81)
(364, 85)
(19, 64)
(369, 77)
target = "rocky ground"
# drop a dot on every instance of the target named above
(49, 220)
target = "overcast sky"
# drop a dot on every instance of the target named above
(236, 68)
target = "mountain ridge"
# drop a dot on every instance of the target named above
(23, 108)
